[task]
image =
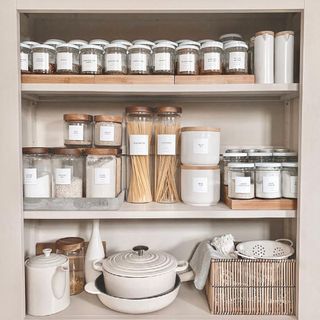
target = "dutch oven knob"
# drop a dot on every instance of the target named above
(140, 249)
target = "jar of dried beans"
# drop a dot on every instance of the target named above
(187, 59)
(68, 59)
(210, 57)
(43, 59)
(91, 59)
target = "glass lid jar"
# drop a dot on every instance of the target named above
(68, 61)
(211, 57)
(289, 177)
(163, 58)
(236, 57)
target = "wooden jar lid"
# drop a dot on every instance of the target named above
(103, 151)
(77, 117)
(136, 109)
(164, 109)
(197, 167)
(108, 118)
(35, 150)
(66, 151)
(200, 129)
(70, 244)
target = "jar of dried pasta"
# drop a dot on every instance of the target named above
(107, 131)
(68, 59)
(187, 60)
(91, 57)
(236, 57)
(210, 57)
(115, 59)
(163, 58)
(139, 59)
(25, 58)
(43, 59)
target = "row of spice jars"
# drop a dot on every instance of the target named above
(71, 173)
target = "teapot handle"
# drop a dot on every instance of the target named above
(56, 289)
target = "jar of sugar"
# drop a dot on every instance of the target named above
(289, 178)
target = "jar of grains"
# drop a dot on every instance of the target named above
(68, 59)
(37, 173)
(259, 157)
(107, 131)
(91, 57)
(231, 157)
(68, 173)
(77, 130)
(241, 180)
(54, 42)
(115, 59)
(268, 180)
(187, 57)
(236, 57)
(139, 59)
(285, 156)
(25, 58)
(163, 58)
(210, 57)
(289, 177)
(43, 59)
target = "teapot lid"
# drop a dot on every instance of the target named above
(46, 260)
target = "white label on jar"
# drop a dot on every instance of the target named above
(102, 176)
(162, 61)
(187, 63)
(76, 132)
(63, 175)
(166, 144)
(139, 145)
(237, 60)
(138, 62)
(40, 61)
(211, 61)
(30, 176)
(270, 184)
(89, 62)
(113, 62)
(24, 61)
(200, 185)
(64, 61)
(200, 146)
(242, 184)
(106, 133)
(293, 184)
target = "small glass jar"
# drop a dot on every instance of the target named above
(251, 56)
(78, 42)
(107, 131)
(236, 57)
(68, 61)
(67, 173)
(91, 59)
(43, 59)
(37, 173)
(25, 58)
(115, 59)
(139, 59)
(231, 157)
(260, 157)
(187, 58)
(78, 130)
(289, 176)
(73, 248)
(268, 180)
(100, 42)
(210, 57)
(241, 180)
(285, 157)
(54, 42)
(163, 56)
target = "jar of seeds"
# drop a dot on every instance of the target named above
(210, 57)
(163, 58)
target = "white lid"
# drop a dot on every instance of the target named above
(235, 154)
(182, 40)
(124, 42)
(168, 41)
(260, 154)
(116, 45)
(233, 44)
(164, 45)
(139, 263)
(228, 35)
(140, 46)
(30, 43)
(99, 42)
(144, 42)
(212, 44)
(91, 46)
(285, 154)
(46, 260)
(205, 40)
(24, 45)
(68, 45)
(55, 42)
(44, 46)
(78, 42)
(187, 47)
(290, 165)
(240, 165)
(268, 165)
(190, 42)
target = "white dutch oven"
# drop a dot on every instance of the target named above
(139, 273)
(47, 281)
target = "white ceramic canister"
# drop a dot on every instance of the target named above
(47, 283)
(200, 146)
(264, 57)
(284, 57)
(200, 185)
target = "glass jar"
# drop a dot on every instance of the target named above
(73, 248)
(139, 131)
(25, 58)
(103, 173)
(91, 58)
(139, 59)
(100, 42)
(190, 43)
(163, 56)
(210, 57)
(268, 180)
(241, 180)
(167, 130)
(172, 43)
(37, 173)
(236, 57)
(77, 130)
(115, 59)
(68, 59)
(285, 157)
(107, 131)
(67, 173)
(201, 42)
(289, 176)
(54, 42)
(251, 56)
(231, 157)
(260, 157)
(78, 42)
(43, 59)
(187, 60)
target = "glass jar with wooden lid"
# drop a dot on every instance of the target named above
(115, 59)
(108, 130)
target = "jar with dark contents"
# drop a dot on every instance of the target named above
(225, 38)
(68, 59)
(43, 59)
(115, 59)
(210, 57)
(139, 59)
(163, 58)
(187, 57)
(251, 56)
(236, 57)
(25, 58)
(91, 57)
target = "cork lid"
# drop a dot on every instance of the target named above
(137, 109)
(260, 33)
(69, 244)
(102, 151)
(35, 150)
(108, 118)
(191, 167)
(200, 129)
(164, 109)
(77, 117)
(66, 151)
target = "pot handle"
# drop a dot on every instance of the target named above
(91, 288)
(97, 265)
(244, 256)
(186, 276)
(182, 266)
(285, 240)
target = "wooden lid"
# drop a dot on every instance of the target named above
(136, 109)
(282, 33)
(191, 167)
(200, 129)
(165, 109)
(35, 150)
(69, 244)
(66, 151)
(77, 117)
(108, 118)
(103, 151)
(264, 32)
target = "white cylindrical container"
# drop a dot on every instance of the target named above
(289, 177)
(200, 185)
(264, 57)
(284, 57)
(200, 146)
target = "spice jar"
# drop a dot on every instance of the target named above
(73, 248)
(100, 42)
(43, 59)
(77, 130)
(25, 58)
(241, 180)
(234, 157)
(260, 157)
(68, 59)
(115, 59)
(289, 176)
(187, 60)
(236, 57)
(54, 42)
(107, 131)
(163, 58)
(210, 57)
(37, 173)
(78, 42)
(103, 173)
(268, 180)
(139, 131)
(167, 128)
(139, 59)
(68, 173)
(91, 58)
(285, 156)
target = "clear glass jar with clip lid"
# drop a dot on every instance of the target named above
(232, 157)
(210, 57)
(139, 59)
(236, 57)
(163, 56)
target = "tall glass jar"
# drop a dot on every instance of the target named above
(139, 131)
(231, 157)
(236, 57)
(167, 129)
(73, 248)
(163, 56)
(43, 59)
(210, 57)
(25, 58)
(91, 59)
(37, 173)
(289, 177)
(139, 59)
(187, 58)
(67, 173)
(68, 59)
(115, 59)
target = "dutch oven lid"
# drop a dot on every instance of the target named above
(47, 260)
(140, 263)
